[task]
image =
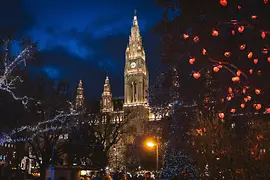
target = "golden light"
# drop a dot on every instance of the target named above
(235, 79)
(83, 172)
(199, 131)
(36, 174)
(150, 144)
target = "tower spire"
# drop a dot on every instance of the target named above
(79, 96)
(107, 105)
(107, 87)
(134, 48)
(136, 73)
(135, 21)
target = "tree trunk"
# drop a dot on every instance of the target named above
(42, 171)
(101, 159)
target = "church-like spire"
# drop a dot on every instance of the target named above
(134, 48)
(107, 87)
(79, 96)
(107, 105)
(135, 21)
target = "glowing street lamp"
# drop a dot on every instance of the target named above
(152, 144)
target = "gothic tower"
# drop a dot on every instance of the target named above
(107, 105)
(136, 76)
(79, 96)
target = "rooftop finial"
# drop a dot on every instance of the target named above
(135, 21)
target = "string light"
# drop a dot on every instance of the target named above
(7, 82)
(58, 122)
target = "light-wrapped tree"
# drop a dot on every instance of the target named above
(9, 63)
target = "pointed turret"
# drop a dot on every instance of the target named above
(107, 105)
(79, 96)
(107, 87)
(134, 49)
(135, 21)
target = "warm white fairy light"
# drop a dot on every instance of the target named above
(62, 117)
(7, 82)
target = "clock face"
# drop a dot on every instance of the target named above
(133, 65)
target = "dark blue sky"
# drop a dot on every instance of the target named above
(82, 39)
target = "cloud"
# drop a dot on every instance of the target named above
(85, 40)
(102, 55)
(61, 64)
(14, 19)
(51, 72)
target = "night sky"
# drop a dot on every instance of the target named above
(84, 39)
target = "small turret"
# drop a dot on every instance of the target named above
(106, 103)
(79, 96)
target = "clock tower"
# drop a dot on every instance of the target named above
(136, 75)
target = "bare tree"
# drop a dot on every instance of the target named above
(97, 134)
(10, 63)
(46, 136)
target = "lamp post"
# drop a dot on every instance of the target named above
(52, 165)
(152, 144)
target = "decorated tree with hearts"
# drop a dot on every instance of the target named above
(220, 50)
(230, 38)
